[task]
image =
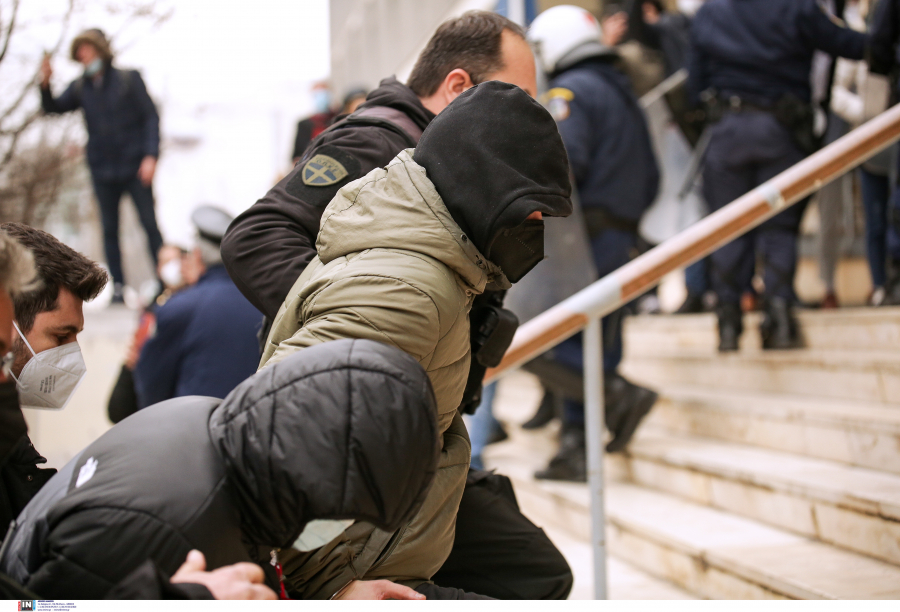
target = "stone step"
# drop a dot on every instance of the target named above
(706, 551)
(855, 508)
(850, 432)
(875, 329)
(869, 376)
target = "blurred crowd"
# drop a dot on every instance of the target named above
(289, 416)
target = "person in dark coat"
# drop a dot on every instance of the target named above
(883, 60)
(269, 245)
(205, 342)
(616, 175)
(326, 435)
(755, 57)
(123, 139)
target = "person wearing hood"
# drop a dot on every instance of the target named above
(402, 253)
(269, 245)
(345, 431)
(123, 139)
(617, 179)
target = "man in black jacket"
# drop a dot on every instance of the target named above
(123, 139)
(326, 435)
(269, 245)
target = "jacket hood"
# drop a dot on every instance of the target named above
(495, 156)
(391, 92)
(341, 430)
(410, 216)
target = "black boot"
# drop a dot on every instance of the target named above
(693, 304)
(545, 413)
(779, 329)
(570, 463)
(626, 405)
(731, 326)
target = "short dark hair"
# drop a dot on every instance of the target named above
(57, 266)
(471, 41)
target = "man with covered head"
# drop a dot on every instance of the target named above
(345, 431)
(402, 253)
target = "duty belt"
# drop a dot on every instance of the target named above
(597, 220)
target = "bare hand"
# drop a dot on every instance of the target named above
(238, 581)
(378, 589)
(46, 71)
(614, 28)
(147, 170)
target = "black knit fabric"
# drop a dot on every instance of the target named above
(495, 156)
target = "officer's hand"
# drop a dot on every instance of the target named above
(46, 71)
(614, 28)
(238, 581)
(378, 589)
(147, 170)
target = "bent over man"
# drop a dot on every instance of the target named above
(269, 245)
(402, 253)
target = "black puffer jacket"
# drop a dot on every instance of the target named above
(345, 430)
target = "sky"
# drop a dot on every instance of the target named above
(231, 79)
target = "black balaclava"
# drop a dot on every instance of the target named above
(495, 156)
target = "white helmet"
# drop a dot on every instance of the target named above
(564, 35)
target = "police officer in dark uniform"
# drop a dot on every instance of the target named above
(269, 245)
(883, 59)
(205, 338)
(615, 170)
(751, 62)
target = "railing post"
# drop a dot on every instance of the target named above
(594, 427)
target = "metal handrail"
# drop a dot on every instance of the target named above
(584, 310)
(699, 240)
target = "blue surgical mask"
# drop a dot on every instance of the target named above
(94, 67)
(322, 100)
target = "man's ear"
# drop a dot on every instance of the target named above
(456, 82)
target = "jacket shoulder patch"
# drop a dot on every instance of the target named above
(557, 102)
(322, 170)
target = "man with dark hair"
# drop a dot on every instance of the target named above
(47, 365)
(268, 247)
(123, 139)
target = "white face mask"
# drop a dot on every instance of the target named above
(170, 273)
(50, 377)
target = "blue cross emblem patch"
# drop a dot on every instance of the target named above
(322, 171)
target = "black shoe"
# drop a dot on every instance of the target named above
(779, 329)
(570, 463)
(693, 304)
(731, 326)
(545, 413)
(626, 405)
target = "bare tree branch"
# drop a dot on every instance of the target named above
(9, 29)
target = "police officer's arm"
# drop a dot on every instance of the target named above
(156, 372)
(576, 126)
(269, 245)
(885, 32)
(69, 100)
(698, 63)
(148, 110)
(827, 33)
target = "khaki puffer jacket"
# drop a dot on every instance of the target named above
(394, 267)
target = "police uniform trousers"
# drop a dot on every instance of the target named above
(747, 149)
(497, 552)
(611, 249)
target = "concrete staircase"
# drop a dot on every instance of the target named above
(758, 474)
